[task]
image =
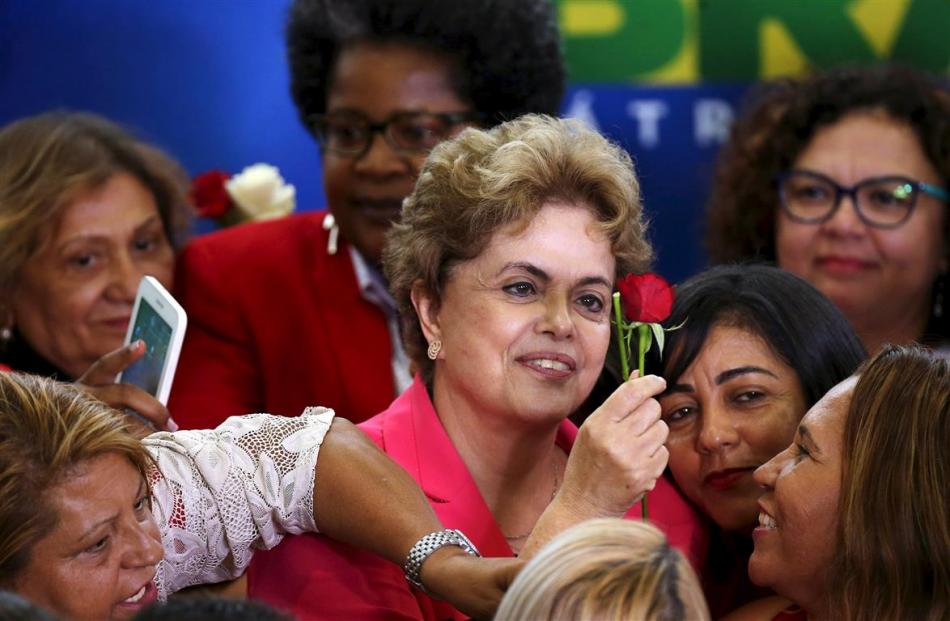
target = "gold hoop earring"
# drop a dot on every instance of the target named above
(434, 348)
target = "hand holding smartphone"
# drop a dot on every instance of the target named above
(160, 321)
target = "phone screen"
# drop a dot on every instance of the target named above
(147, 371)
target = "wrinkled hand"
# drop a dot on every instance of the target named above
(99, 381)
(473, 585)
(619, 452)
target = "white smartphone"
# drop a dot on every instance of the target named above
(160, 321)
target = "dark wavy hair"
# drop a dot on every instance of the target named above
(777, 124)
(803, 327)
(507, 53)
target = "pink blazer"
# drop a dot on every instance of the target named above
(275, 324)
(318, 578)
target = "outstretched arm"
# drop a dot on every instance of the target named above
(363, 498)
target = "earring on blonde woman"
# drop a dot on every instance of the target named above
(434, 348)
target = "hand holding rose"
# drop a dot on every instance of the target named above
(619, 452)
(617, 457)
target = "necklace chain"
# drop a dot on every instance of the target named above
(553, 494)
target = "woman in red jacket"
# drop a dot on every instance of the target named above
(295, 312)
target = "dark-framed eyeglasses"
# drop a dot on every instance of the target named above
(884, 202)
(348, 133)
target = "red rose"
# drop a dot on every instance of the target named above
(208, 194)
(647, 298)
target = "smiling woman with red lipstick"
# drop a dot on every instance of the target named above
(853, 523)
(757, 347)
(843, 178)
(503, 267)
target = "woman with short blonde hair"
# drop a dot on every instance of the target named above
(606, 569)
(503, 266)
(479, 182)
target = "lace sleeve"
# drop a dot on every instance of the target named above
(217, 494)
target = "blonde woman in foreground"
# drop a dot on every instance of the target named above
(606, 569)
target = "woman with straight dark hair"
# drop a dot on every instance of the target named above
(757, 347)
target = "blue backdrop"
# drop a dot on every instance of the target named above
(207, 81)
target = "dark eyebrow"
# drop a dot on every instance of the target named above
(92, 528)
(142, 489)
(151, 221)
(808, 438)
(675, 388)
(539, 273)
(595, 280)
(532, 269)
(148, 223)
(725, 376)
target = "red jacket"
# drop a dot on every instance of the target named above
(318, 578)
(276, 324)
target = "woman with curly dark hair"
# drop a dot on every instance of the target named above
(842, 178)
(309, 318)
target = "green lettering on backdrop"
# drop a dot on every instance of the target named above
(924, 41)
(690, 40)
(613, 40)
(731, 37)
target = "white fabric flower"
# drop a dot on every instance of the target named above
(260, 193)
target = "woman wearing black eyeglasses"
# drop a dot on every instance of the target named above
(295, 312)
(842, 178)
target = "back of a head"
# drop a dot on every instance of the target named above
(15, 608)
(894, 511)
(606, 570)
(803, 327)
(47, 428)
(211, 609)
(506, 53)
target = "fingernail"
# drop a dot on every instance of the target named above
(171, 425)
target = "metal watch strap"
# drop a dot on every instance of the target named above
(429, 544)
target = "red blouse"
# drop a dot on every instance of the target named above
(317, 578)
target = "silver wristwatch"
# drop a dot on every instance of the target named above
(429, 544)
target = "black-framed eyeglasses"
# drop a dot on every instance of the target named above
(348, 133)
(883, 202)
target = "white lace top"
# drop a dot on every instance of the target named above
(220, 493)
